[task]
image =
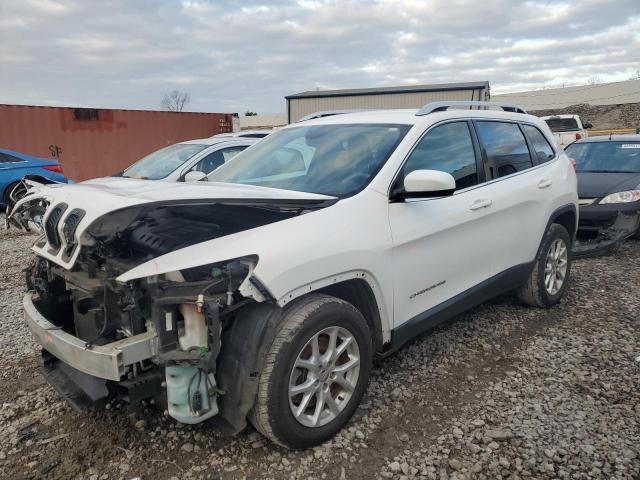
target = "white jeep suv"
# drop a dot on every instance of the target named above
(264, 293)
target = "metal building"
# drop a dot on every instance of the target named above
(413, 96)
(92, 142)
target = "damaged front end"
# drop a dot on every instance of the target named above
(29, 214)
(154, 338)
(601, 231)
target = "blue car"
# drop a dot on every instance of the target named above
(15, 166)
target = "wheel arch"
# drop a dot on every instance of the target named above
(359, 288)
(359, 293)
(567, 216)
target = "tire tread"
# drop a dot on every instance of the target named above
(531, 293)
(295, 315)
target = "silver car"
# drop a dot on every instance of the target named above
(187, 161)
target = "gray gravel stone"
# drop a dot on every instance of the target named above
(505, 391)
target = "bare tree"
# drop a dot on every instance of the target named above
(595, 80)
(175, 101)
(635, 76)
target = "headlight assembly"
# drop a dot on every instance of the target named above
(622, 197)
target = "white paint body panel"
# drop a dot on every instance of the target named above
(440, 248)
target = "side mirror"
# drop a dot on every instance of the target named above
(587, 125)
(428, 183)
(194, 176)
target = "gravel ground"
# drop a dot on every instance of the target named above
(504, 391)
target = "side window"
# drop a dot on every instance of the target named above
(6, 158)
(447, 148)
(505, 147)
(216, 159)
(544, 151)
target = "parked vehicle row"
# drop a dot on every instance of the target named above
(609, 191)
(264, 293)
(187, 161)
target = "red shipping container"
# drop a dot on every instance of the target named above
(96, 142)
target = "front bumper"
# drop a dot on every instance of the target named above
(103, 361)
(602, 227)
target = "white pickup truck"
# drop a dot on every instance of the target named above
(567, 128)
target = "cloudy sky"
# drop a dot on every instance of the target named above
(239, 55)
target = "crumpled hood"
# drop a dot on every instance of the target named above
(99, 197)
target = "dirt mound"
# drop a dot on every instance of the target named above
(601, 116)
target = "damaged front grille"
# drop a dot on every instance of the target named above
(51, 225)
(69, 228)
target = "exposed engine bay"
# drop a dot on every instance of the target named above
(161, 335)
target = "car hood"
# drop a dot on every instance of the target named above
(596, 185)
(108, 205)
(151, 190)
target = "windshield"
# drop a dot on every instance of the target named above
(159, 164)
(562, 124)
(337, 160)
(606, 156)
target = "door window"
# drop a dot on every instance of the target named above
(505, 147)
(542, 148)
(447, 148)
(216, 159)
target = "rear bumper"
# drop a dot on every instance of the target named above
(602, 227)
(103, 361)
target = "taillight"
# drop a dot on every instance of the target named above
(578, 136)
(573, 162)
(54, 168)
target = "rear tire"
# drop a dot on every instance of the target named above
(549, 279)
(300, 359)
(5, 195)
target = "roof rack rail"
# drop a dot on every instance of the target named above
(325, 113)
(442, 106)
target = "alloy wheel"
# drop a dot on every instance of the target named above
(555, 267)
(324, 376)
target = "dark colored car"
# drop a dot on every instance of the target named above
(14, 166)
(608, 170)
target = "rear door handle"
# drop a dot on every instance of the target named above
(544, 183)
(481, 203)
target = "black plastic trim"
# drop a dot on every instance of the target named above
(51, 226)
(570, 207)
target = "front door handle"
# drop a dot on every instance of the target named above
(481, 203)
(544, 183)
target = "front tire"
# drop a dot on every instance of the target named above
(315, 373)
(549, 279)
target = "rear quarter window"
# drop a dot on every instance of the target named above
(541, 147)
(6, 158)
